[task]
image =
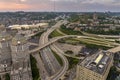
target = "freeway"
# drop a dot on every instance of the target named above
(50, 42)
(44, 39)
(60, 71)
(45, 51)
(102, 36)
(54, 40)
(110, 36)
(33, 34)
(43, 73)
(63, 70)
(45, 35)
(49, 59)
(40, 65)
(57, 38)
(114, 50)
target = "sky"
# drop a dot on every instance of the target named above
(60, 5)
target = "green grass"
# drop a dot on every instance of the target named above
(69, 31)
(113, 73)
(55, 33)
(85, 42)
(72, 62)
(92, 41)
(103, 32)
(101, 40)
(35, 70)
(37, 35)
(58, 58)
(7, 76)
(96, 46)
(69, 52)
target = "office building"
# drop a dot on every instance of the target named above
(95, 67)
(21, 68)
(5, 51)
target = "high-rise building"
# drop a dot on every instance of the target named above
(21, 68)
(5, 51)
(95, 67)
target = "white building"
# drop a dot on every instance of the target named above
(19, 27)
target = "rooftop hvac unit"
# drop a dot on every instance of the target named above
(98, 59)
(5, 65)
(20, 68)
(101, 66)
(105, 60)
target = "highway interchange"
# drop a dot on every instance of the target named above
(48, 58)
(52, 70)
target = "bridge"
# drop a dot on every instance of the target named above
(109, 36)
(114, 50)
(50, 42)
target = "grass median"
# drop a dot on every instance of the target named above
(55, 33)
(87, 43)
(72, 62)
(35, 70)
(58, 58)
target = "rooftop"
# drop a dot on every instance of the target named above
(18, 39)
(2, 28)
(4, 36)
(97, 62)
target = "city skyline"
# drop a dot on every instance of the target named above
(60, 5)
(59, 45)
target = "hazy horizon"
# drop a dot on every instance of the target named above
(60, 5)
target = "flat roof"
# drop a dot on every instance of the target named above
(97, 62)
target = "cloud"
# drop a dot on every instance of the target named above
(61, 5)
(64, 0)
(97, 1)
(104, 2)
(13, 6)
